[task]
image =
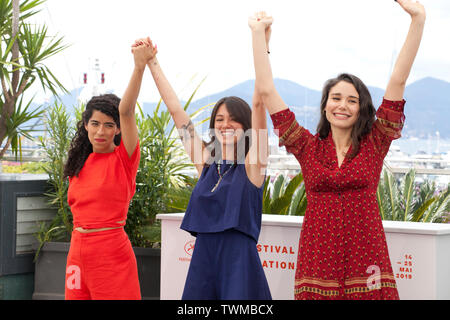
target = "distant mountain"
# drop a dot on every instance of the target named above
(427, 109)
(297, 97)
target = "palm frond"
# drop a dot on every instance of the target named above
(408, 189)
(419, 212)
(266, 196)
(439, 208)
(278, 185)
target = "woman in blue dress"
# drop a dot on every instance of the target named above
(224, 212)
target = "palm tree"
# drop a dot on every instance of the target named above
(23, 50)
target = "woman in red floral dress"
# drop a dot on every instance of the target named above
(342, 251)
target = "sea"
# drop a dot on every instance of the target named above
(423, 146)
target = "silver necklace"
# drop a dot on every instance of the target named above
(220, 176)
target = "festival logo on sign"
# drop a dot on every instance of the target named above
(188, 249)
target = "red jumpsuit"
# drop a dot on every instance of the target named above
(102, 265)
(342, 249)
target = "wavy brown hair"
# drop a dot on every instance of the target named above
(367, 111)
(81, 147)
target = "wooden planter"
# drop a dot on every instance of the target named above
(51, 267)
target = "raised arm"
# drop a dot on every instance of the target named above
(257, 157)
(127, 104)
(405, 59)
(264, 84)
(192, 143)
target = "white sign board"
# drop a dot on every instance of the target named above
(419, 252)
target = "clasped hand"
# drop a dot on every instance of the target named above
(143, 51)
(261, 21)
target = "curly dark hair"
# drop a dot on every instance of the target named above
(366, 111)
(81, 147)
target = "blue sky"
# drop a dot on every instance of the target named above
(311, 40)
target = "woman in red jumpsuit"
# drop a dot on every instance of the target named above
(342, 249)
(102, 165)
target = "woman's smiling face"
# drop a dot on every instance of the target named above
(226, 128)
(342, 108)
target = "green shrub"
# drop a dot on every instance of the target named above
(25, 167)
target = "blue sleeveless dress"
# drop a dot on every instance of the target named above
(225, 263)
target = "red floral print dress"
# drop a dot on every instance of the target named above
(342, 251)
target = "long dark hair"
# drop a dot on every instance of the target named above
(367, 111)
(241, 112)
(81, 147)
